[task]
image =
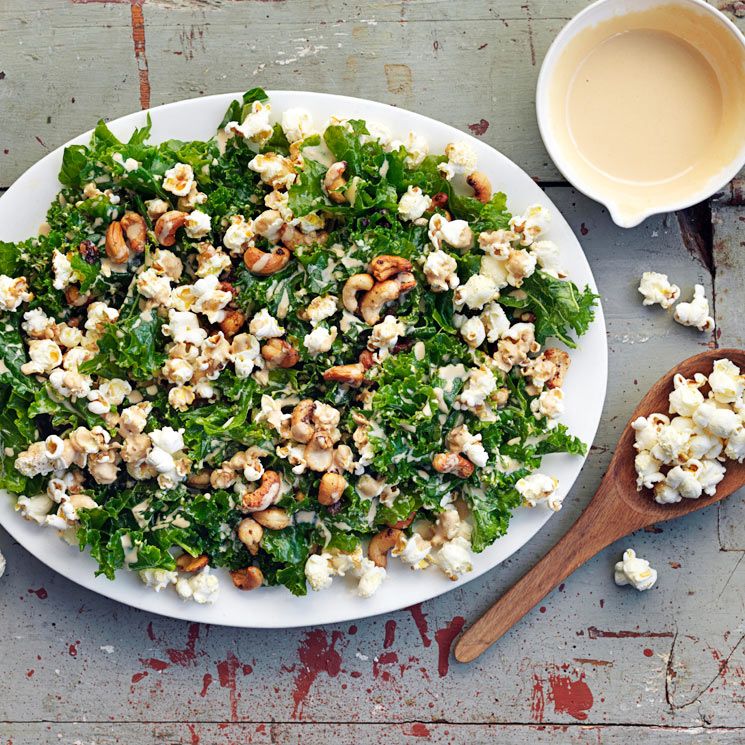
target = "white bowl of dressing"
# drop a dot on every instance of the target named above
(641, 104)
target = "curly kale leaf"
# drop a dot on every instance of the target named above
(558, 305)
(103, 159)
(129, 348)
(17, 432)
(237, 111)
(491, 509)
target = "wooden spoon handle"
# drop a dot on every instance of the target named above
(598, 526)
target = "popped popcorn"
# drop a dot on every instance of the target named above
(538, 488)
(634, 571)
(657, 289)
(179, 179)
(695, 313)
(413, 204)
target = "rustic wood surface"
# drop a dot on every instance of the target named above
(594, 663)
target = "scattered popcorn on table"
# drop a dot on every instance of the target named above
(634, 571)
(657, 290)
(696, 312)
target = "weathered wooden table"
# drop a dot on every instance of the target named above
(595, 663)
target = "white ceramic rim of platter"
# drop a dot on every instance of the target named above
(275, 607)
(594, 13)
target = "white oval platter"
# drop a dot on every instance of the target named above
(22, 210)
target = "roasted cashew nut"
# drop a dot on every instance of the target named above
(356, 283)
(381, 544)
(301, 421)
(250, 534)
(386, 266)
(481, 186)
(319, 452)
(116, 247)
(272, 518)
(264, 263)
(453, 463)
(279, 353)
(351, 375)
(167, 225)
(189, 563)
(331, 488)
(135, 230)
(334, 182)
(405, 522)
(247, 579)
(375, 299)
(266, 494)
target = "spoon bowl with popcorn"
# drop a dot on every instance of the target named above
(666, 465)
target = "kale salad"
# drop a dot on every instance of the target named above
(293, 350)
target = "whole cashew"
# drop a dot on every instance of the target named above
(385, 267)
(272, 518)
(374, 300)
(301, 421)
(279, 353)
(356, 283)
(319, 452)
(334, 181)
(331, 488)
(189, 563)
(116, 247)
(247, 579)
(264, 263)
(167, 225)
(266, 494)
(453, 463)
(381, 544)
(250, 534)
(481, 186)
(352, 375)
(135, 230)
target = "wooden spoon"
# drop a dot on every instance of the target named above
(616, 510)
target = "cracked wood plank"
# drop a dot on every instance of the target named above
(263, 733)
(728, 226)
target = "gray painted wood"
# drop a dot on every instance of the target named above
(595, 663)
(81, 733)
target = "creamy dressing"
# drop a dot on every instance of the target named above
(130, 550)
(644, 106)
(649, 106)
